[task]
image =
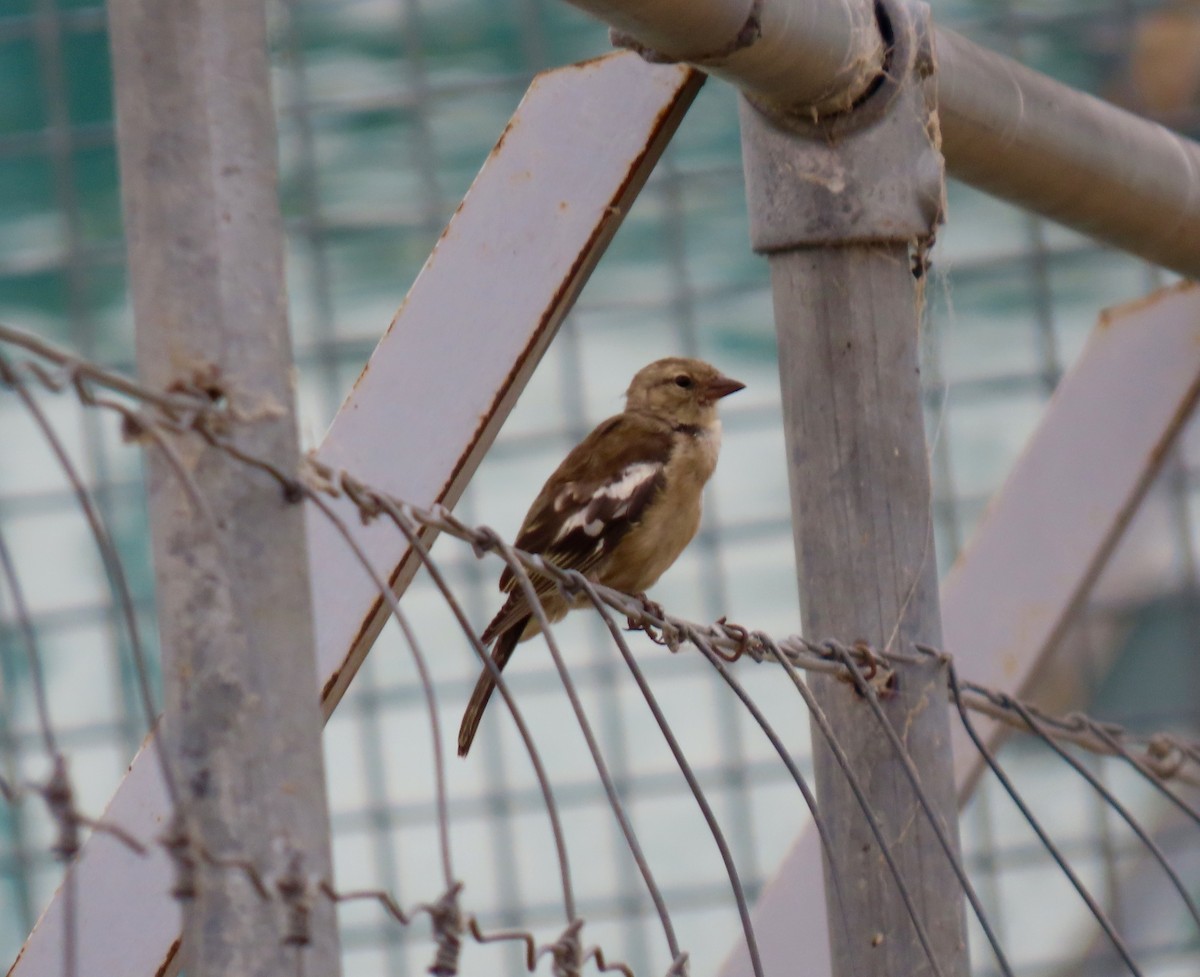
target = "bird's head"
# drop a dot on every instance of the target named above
(682, 390)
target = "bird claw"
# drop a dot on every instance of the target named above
(654, 634)
(650, 608)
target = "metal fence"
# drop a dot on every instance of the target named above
(1157, 767)
(399, 102)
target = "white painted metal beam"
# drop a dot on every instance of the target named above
(1045, 537)
(425, 409)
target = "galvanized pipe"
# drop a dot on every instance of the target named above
(821, 56)
(847, 323)
(1071, 157)
(1006, 129)
(837, 219)
(242, 722)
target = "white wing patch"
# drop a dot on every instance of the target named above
(621, 490)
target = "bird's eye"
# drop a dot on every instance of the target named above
(683, 380)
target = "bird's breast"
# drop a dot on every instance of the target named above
(670, 521)
(653, 545)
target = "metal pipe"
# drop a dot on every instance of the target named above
(1006, 129)
(242, 726)
(821, 56)
(846, 320)
(838, 220)
(1017, 134)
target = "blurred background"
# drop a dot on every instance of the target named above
(386, 109)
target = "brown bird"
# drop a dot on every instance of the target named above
(620, 508)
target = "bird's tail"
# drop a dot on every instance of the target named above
(483, 688)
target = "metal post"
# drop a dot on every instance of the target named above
(197, 145)
(1047, 534)
(837, 216)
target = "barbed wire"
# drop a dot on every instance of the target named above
(201, 407)
(198, 408)
(294, 890)
(1162, 755)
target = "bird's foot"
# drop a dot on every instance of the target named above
(650, 608)
(653, 633)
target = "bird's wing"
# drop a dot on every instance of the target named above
(596, 495)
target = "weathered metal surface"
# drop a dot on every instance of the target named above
(126, 922)
(759, 45)
(483, 310)
(429, 403)
(1050, 529)
(1069, 156)
(829, 195)
(838, 208)
(241, 729)
(1006, 129)
(847, 324)
(1045, 537)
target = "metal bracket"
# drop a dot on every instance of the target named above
(871, 173)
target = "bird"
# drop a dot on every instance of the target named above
(620, 508)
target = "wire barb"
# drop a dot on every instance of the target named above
(201, 408)
(293, 889)
(447, 922)
(178, 845)
(61, 802)
(566, 953)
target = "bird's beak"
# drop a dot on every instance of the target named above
(721, 386)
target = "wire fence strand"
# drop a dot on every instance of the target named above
(156, 420)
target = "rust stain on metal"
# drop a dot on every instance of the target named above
(428, 263)
(332, 681)
(359, 645)
(1183, 411)
(441, 237)
(686, 90)
(399, 313)
(1158, 452)
(511, 124)
(592, 62)
(366, 366)
(168, 959)
(1109, 317)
